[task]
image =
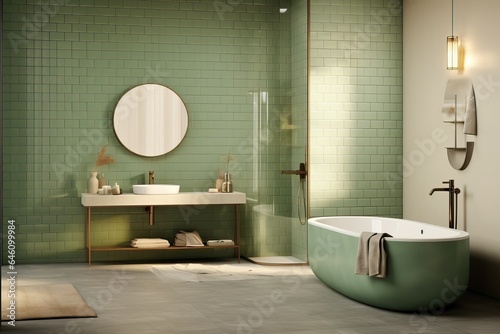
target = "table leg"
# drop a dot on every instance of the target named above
(87, 235)
(237, 232)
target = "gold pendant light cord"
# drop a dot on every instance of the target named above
(452, 17)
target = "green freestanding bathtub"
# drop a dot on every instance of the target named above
(427, 265)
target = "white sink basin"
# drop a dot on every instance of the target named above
(155, 189)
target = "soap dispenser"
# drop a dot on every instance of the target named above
(227, 185)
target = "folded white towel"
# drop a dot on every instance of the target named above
(158, 245)
(148, 240)
(149, 243)
(221, 242)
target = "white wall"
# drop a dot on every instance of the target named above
(426, 24)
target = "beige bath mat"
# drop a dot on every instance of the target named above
(44, 302)
(203, 272)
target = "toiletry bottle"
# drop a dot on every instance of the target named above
(227, 185)
(219, 181)
(116, 189)
(102, 181)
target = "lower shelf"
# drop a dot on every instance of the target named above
(130, 248)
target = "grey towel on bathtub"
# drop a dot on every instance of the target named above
(371, 257)
(362, 257)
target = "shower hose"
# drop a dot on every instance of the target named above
(301, 191)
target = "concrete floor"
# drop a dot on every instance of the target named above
(131, 298)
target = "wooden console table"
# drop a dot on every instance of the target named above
(184, 198)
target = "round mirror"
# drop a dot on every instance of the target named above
(150, 120)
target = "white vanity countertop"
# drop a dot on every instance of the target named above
(182, 198)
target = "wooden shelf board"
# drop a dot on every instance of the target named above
(125, 248)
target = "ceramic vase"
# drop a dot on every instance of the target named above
(93, 183)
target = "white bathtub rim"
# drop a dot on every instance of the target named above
(456, 234)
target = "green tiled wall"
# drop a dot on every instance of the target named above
(66, 64)
(65, 67)
(356, 107)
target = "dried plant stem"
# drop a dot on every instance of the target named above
(102, 158)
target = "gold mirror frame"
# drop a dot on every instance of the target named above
(150, 120)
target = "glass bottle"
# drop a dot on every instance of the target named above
(227, 185)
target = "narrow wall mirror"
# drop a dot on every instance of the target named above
(459, 109)
(150, 120)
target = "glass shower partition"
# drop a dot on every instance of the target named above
(276, 222)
